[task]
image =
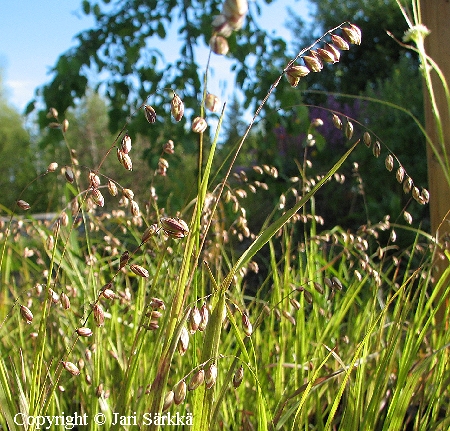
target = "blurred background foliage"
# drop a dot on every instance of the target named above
(119, 51)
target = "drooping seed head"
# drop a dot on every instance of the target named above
(332, 49)
(389, 162)
(26, 314)
(247, 326)
(367, 139)
(177, 107)
(174, 227)
(219, 45)
(180, 392)
(211, 376)
(327, 56)
(168, 401)
(199, 125)
(52, 113)
(212, 102)
(139, 270)
(134, 208)
(65, 301)
(183, 341)
(52, 167)
(376, 149)
(197, 379)
(408, 217)
(94, 180)
(84, 332)
(98, 197)
(340, 42)
(150, 114)
(65, 125)
(407, 185)
(169, 147)
(195, 319)
(71, 368)
(125, 145)
(70, 177)
(352, 34)
(349, 130)
(238, 377)
(99, 315)
(336, 122)
(23, 205)
(112, 188)
(400, 174)
(312, 63)
(204, 313)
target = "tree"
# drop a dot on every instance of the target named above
(120, 48)
(19, 161)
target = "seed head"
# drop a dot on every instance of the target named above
(26, 314)
(169, 147)
(340, 42)
(52, 113)
(65, 301)
(174, 227)
(124, 259)
(248, 328)
(313, 63)
(197, 379)
(389, 162)
(180, 392)
(23, 205)
(139, 270)
(238, 377)
(400, 174)
(408, 217)
(183, 341)
(125, 145)
(168, 401)
(69, 174)
(84, 332)
(150, 114)
(71, 368)
(352, 34)
(367, 139)
(211, 376)
(376, 149)
(219, 45)
(134, 208)
(204, 313)
(52, 167)
(177, 107)
(149, 232)
(332, 49)
(407, 185)
(349, 130)
(98, 197)
(199, 125)
(337, 122)
(65, 125)
(212, 102)
(195, 319)
(99, 315)
(327, 56)
(112, 188)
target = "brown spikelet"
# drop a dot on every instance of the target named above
(376, 149)
(71, 368)
(23, 205)
(168, 401)
(400, 174)
(84, 332)
(197, 379)
(150, 114)
(26, 314)
(139, 270)
(238, 376)
(199, 125)
(180, 392)
(389, 162)
(177, 107)
(367, 139)
(337, 122)
(349, 130)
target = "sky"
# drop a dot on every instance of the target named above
(36, 32)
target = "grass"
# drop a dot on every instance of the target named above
(134, 315)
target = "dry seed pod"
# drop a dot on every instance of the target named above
(112, 188)
(23, 205)
(52, 167)
(197, 379)
(367, 139)
(212, 102)
(174, 227)
(65, 301)
(125, 145)
(408, 217)
(340, 42)
(69, 174)
(377, 149)
(124, 259)
(327, 56)
(139, 270)
(204, 313)
(219, 45)
(168, 401)
(26, 314)
(349, 130)
(180, 392)
(199, 125)
(238, 376)
(407, 185)
(195, 319)
(149, 232)
(183, 341)
(211, 376)
(98, 197)
(150, 114)
(99, 315)
(248, 328)
(71, 368)
(134, 208)
(84, 332)
(337, 122)
(389, 162)
(312, 63)
(169, 147)
(177, 107)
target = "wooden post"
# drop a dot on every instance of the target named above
(436, 17)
